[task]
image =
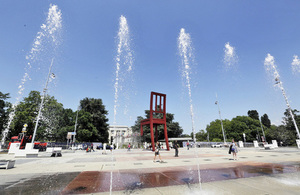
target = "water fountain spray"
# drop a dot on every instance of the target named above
(230, 57)
(271, 66)
(296, 64)
(217, 103)
(186, 53)
(124, 63)
(48, 30)
(42, 102)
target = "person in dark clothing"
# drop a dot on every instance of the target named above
(176, 148)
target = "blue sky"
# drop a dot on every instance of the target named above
(85, 61)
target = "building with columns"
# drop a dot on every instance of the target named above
(120, 134)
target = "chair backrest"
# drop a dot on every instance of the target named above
(157, 105)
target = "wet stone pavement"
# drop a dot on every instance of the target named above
(43, 184)
(128, 179)
(89, 182)
(83, 173)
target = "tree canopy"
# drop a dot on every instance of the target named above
(235, 128)
(4, 106)
(26, 113)
(265, 120)
(56, 121)
(92, 121)
(253, 114)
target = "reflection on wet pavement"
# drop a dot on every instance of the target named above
(45, 184)
(131, 181)
(136, 179)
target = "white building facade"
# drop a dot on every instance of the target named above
(120, 134)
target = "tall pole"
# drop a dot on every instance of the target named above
(75, 127)
(278, 82)
(41, 106)
(262, 129)
(258, 136)
(221, 119)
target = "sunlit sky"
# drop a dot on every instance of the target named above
(85, 66)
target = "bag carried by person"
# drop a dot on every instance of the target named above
(230, 149)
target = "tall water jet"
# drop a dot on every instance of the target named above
(124, 66)
(296, 65)
(42, 103)
(49, 32)
(230, 57)
(270, 67)
(186, 53)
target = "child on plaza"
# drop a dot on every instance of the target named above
(128, 147)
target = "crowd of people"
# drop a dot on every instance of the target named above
(233, 149)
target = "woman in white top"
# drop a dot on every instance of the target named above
(234, 149)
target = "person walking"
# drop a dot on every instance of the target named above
(188, 145)
(157, 148)
(234, 149)
(92, 147)
(128, 147)
(176, 148)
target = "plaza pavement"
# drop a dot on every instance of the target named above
(257, 171)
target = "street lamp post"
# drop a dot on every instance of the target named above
(221, 119)
(74, 139)
(262, 130)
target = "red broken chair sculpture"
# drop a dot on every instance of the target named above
(157, 108)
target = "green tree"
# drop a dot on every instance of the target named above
(50, 122)
(280, 134)
(217, 140)
(253, 114)
(185, 135)
(173, 128)
(92, 121)
(289, 125)
(265, 120)
(244, 124)
(4, 106)
(215, 129)
(201, 136)
(235, 128)
(25, 113)
(66, 124)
